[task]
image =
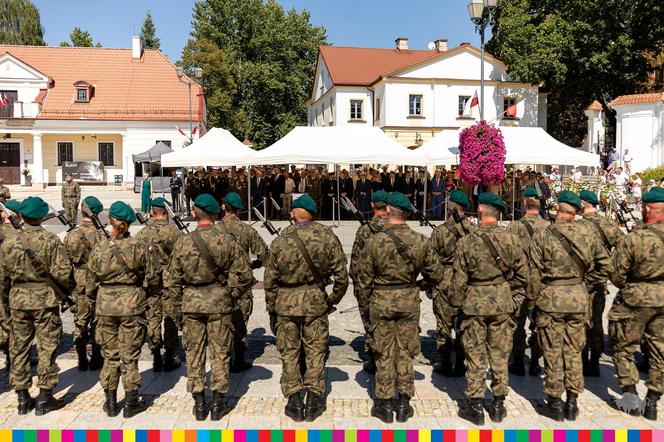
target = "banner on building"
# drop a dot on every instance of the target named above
(84, 171)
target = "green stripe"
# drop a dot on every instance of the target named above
(547, 435)
(30, 436)
(215, 435)
(522, 436)
(399, 435)
(104, 435)
(55, 436)
(325, 435)
(596, 436)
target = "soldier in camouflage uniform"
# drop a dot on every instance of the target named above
(395, 257)
(379, 207)
(444, 241)
(79, 243)
(5, 195)
(160, 306)
(71, 197)
(525, 228)
(7, 230)
(250, 242)
(489, 266)
(608, 235)
(566, 258)
(34, 304)
(214, 271)
(638, 310)
(296, 299)
(121, 272)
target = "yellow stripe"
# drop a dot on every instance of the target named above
(300, 435)
(5, 435)
(226, 436)
(177, 436)
(473, 436)
(621, 435)
(128, 435)
(424, 436)
(497, 436)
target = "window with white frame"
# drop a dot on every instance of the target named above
(356, 109)
(331, 111)
(509, 107)
(107, 153)
(415, 105)
(463, 100)
(65, 152)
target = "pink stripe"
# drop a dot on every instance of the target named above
(461, 436)
(559, 435)
(362, 435)
(67, 436)
(239, 436)
(167, 436)
(657, 436)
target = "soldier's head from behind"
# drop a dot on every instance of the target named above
(120, 216)
(398, 208)
(14, 209)
(91, 206)
(490, 207)
(458, 201)
(159, 209)
(531, 201)
(589, 201)
(379, 203)
(304, 209)
(33, 210)
(653, 205)
(568, 205)
(233, 204)
(206, 209)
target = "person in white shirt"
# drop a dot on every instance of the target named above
(286, 197)
(577, 175)
(555, 174)
(621, 178)
(627, 159)
(637, 184)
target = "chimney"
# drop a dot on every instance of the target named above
(402, 43)
(441, 45)
(136, 47)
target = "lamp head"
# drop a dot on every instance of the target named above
(198, 72)
(179, 71)
(476, 9)
(490, 4)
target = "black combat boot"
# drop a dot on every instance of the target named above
(240, 364)
(25, 402)
(498, 412)
(534, 368)
(404, 409)
(157, 361)
(591, 368)
(8, 364)
(370, 364)
(46, 403)
(650, 410)
(473, 411)
(382, 409)
(643, 363)
(171, 362)
(199, 410)
(315, 407)
(133, 405)
(111, 404)
(444, 367)
(552, 408)
(517, 366)
(82, 353)
(219, 408)
(459, 363)
(295, 408)
(629, 402)
(96, 359)
(571, 407)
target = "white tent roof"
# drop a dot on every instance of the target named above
(525, 145)
(338, 144)
(218, 147)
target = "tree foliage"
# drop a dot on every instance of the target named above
(80, 38)
(269, 57)
(20, 23)
(581, 50)
(149, 33)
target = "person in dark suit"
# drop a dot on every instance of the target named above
(176, 189)
(363, 193)
(295, 175)
(345, 189)
(258, 189)
(419, 191)
(437, 190)
(278, 187)
(328, 193)
(407, 187)
(390, 185)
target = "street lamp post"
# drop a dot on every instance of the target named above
(481, 12)
(198, 73)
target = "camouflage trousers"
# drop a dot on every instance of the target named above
(627, 326)
(396, 342)
(155, 315)
(121, 339)
(562, 337)
(26, 325)
(365, 317)
(487, 340)
(240, 316)
(446, 315)
(520, 338)
(595, 333)
(200, 332)
(310, 334)
(85, 323)
(5, 326)
(71, 210)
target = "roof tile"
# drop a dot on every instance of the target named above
(638, 99)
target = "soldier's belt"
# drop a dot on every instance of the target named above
(118, 284)
(494, 281)
(283, 285)
(562, 281)
(201, 284)
(30, 285)
(410, 285)
(645, 280)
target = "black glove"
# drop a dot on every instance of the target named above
(273, 323)
(256, 264)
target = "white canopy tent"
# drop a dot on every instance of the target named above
(218, 147)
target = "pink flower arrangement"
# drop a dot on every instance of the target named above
(482, 154)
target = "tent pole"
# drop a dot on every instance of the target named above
(163, 194)
(513, 194)
(338, 195)
(249, 191)
(424, 198)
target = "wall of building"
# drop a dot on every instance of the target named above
(640, 129)
(463, 64)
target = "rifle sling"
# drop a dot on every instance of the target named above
(496, 256)
(402, 248)
(529, 227)
(122, 261)
(605, 239)
(657, 233)
(40, 269)
(570, 250)
(318, 279)
(199, 245)
(454, 231)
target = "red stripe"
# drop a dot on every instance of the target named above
(644, 436)
(264, 436)
(485, 435)
(474, 102)
(91, 436)
(388, 435)
(153, 435)
(584, 435)
(450, 436)
(289, 436)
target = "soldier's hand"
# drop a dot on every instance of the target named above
(273, 323)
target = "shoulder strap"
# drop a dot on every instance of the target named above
(225, 228)
(121, 259)
(402, 248)
(657, 233)
(42, 272)
(568, 247)
(454, 231)
(199, 244)
(494, 253)
(529, 227)
(602, 235)
(318, 279)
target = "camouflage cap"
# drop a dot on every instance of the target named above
(13, 205)
(530, 192)
(457, 196)
(33, 207)
(305, 202)
(160, 202)
(656, 195)
(569, 197)
(380, 196)
(234, 200)
(491, 199)
(207, 203)
(589, 197)
(93, 204)
(400, 201)
(122, 211)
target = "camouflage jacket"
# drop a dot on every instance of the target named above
(119, 289)
(162, 233)
(207, 290)
(20, 285)
(479, 286)
(247, 237)
(390, 277)
(357, 257)
(612, 232)
(519, 228)
(444, 241)
(637, 267)
(556, 282)
(290, 289)
(71, 192)
(79, 244)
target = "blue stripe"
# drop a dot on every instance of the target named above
(509, 436)
(252, 435)
(375, 436)
(141, 436)
(436, 435)
(17, 435)
(313, 436)
(633, 435)
(202, 436)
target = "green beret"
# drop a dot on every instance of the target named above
(305, 202)
(160, 202)
(530, 192)
(207, 203)
(122, 211)
(491, 199)
(656, 195)
(234, 200)
(68, 174)
(589, 197)
(94, 204)
(33, 207)
(457, 196)
(13, 205)
(569, 197)
(400, 201)
(379, 196)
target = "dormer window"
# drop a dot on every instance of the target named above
(84, 91)
(82, 95)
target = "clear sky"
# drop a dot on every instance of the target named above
(368, 23)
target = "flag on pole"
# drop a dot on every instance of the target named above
(181, 131)
(511, 111)
(193, 132)
(3, 100)
(470, 104)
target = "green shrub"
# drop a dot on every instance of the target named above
(654, 173)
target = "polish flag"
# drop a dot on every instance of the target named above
(3, 100)
(193, 132)
(181, 131)
(470, 104)
(511, 111)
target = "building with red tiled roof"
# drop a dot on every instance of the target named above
(69, 105)
(415, 94)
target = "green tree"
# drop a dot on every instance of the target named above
(149, 33)
(581, 50)
(20, 23)
(80, 38)
(269, 52)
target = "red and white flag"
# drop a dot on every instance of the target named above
(3, 100)
(474, 101)
(511, 111)
(193, 132)
(181, 131)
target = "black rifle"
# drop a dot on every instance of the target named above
(18, 225)
(625, 209)
(85, 209)
(284, 216)
(423, 219)
(60, 215)
(141, 219)
(349, 206)
(176, 219)
(458, 220)
(267, 224)
(544, 207)
(619, 213)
